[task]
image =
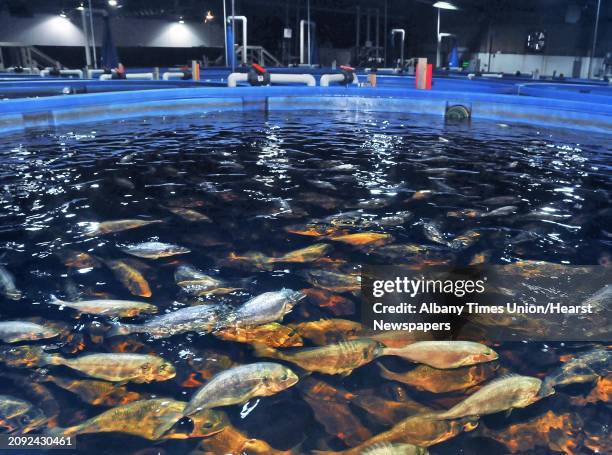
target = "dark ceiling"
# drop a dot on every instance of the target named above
(195, 8)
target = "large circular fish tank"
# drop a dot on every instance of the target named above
(205, 199)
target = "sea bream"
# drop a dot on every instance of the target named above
(154, 250)
(239, 384)
(107, 307)
(15, 331)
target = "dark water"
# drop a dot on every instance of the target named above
(254, 175)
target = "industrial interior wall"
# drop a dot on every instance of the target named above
(53, 30)
(569, 66)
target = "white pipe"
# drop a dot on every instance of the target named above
(91, 73)
(172, 75)
(402, 32)
(302, 24)
(108, 77)
(307, 79)
(79, 73)
(244, 35)
(233, 78)
(327, 78)
(25, 70)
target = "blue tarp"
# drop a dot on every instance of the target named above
(109, 58)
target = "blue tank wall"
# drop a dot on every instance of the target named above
(572, 109)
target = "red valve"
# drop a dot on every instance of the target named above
(260, 69)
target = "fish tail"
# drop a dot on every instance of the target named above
(261, 350)
(53, 300)
(119, 329)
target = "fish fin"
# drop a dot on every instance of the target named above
(508, 412)
(261, 350)
(53, 300)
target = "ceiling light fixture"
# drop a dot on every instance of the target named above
(181, 20)
(209, 17)
(444, 5)
(112, 3)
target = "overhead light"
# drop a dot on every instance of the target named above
(444, 5)
(81, 7)
(181, 20)
(63, 14)
(209, 17)
(112, 2)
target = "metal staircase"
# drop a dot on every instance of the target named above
(24, 56)
(257, 54)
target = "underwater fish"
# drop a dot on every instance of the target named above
(500, 395)
(149, 419)
(557, 433)
(272, 334)
(231, 441)
(312, 230)
(334, 303)
(326, 331)
(93, 228)
(339, 420)
(19, 416)
(209, 362)
(419, 430)
(434, 380)
(586, 367)
(140, 368)
(332, 280)
(303, 255)
(196, 282)
(189, 214)
(111, 308)
(239, 384)
(7, 285)
(543, 269)
(341, 358)
(502, 211)
(401, 250)
(464, 241)
(363, 239)
(15, 331)
(154, 250)
(267, 307)
(22, 356)
(200, 318)
(501, 200)
(444, 354)
(432, 232)
(78, 259)
(131, 278)
(386, 448)
(94, 392)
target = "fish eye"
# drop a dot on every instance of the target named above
(284, 377)
(146, 366)
(207, 424)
